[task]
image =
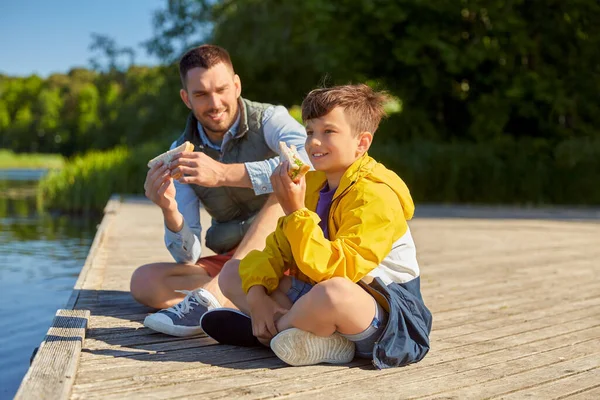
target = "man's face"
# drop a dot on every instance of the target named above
(212, 96)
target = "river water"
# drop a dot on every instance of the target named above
(40, 259)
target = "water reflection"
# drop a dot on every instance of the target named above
(40, 259)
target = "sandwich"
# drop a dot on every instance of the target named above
(297, 167)
(167, 156)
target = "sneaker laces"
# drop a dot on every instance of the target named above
(193, 298)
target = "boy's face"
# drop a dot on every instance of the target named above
(331, 145)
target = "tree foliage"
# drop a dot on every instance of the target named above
(474, 70)
(82, 110)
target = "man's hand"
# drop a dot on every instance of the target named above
(198, 168)
(159, 187)
(290, 194)
(263, 311)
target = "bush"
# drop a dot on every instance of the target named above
(507, 172)
(526, 172)
(86, 182)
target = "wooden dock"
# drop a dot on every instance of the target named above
(516, 306)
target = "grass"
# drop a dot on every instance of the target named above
(11, 160)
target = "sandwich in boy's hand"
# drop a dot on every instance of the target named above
(297, 168)
(167, 156)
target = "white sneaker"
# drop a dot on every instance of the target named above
(183, 319)
(297, 347)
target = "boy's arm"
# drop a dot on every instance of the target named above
(368, 227)
(266, 267)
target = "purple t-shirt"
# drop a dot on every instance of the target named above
(323, 206)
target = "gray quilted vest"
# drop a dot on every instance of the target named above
(232, 209)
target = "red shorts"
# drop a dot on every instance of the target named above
(214, 264)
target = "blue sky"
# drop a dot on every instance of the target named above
(47, 36)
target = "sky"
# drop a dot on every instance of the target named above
(47, 36)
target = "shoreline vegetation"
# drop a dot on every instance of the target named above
(522, 173)
(483, 113)
(12, 160)
(86, 182)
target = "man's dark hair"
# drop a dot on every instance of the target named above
(205, 56)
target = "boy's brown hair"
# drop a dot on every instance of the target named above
(362, 105)
(205, 56)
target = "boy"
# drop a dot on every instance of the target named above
(353, 279)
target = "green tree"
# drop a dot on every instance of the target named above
(110, 54)
(470, 69)
(48, 111)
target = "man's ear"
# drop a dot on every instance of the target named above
(238, 85)
(364, 142)
(184, 96)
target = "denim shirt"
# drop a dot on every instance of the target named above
(278, 125)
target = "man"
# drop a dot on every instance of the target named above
(235, 151)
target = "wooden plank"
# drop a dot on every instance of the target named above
(429, 369)
(538, 326)
(221, 383)
(592, 393)
(491, 284)
(576, 382)
(533, 380)
(150, 344)
(472, 327)
(513, 306)
(52, 372)
(481, 383)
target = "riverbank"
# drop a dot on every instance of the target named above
(14, 161)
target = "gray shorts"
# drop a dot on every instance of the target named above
(365, 340)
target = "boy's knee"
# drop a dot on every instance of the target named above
(333, 292)
(229, 278)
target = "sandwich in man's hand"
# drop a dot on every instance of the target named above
(297, 167)
(167, 156)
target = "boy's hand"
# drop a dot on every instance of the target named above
(263, 311)
(290, 194)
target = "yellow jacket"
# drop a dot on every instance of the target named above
(368, 215)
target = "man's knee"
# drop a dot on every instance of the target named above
(229, 278)
(142, 281)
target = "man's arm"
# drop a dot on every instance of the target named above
(279, 126)
(200, 169)
(182, 225)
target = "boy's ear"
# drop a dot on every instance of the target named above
(364, 142)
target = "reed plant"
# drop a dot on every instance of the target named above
(86, 182)
(508, 172)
